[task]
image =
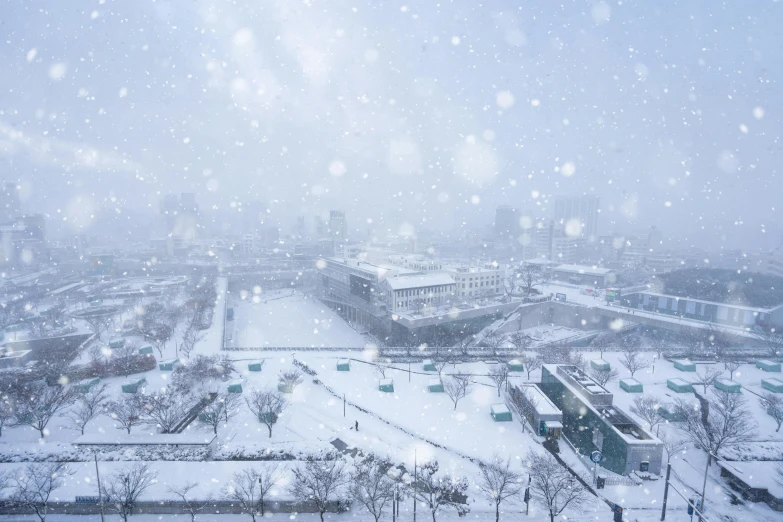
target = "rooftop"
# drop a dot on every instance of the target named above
(418, 281)
(583, 269)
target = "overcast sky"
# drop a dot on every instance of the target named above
(412, 115)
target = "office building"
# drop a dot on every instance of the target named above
(577, 216)
(506, 223)
(338, 228)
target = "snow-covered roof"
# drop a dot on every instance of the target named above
(499, 408)
(434, 382)
(418, 281)
(583, 269)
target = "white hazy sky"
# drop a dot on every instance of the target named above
(422, 114)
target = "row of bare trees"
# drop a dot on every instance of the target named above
(374, 483)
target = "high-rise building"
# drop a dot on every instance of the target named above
(577, 216)
(506, 223)
(338, 228)
(10, 205)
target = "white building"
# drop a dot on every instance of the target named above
(477, 282)
(415, 292)
(414, 262)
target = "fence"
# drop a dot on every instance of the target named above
(90, 506)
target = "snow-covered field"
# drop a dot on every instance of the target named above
(289, 318)
(410, 423)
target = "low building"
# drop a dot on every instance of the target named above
(584, 275)
(542, 414)
(591, 422)
(415, 292)
(477, 281)
(707, 311)
(414, 262)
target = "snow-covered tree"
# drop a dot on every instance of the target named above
(191, 506)
(34, 485)
(646, 408)
(457, 387)
(706, 377)
(718, 421)
(371, 486)
(603, 376)
(438, 491)
(124, 487)
(319, 481)
(773, 405)
(87, 406)
(37, 406)
(632, 358)
(127, 411)
(499, 482)
(498, 374)
(250, 487)
(551, 485)
(266, 405)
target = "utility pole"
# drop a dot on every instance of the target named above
(409, 372)
(415, 481)
(100, 493)
(343, 405)
(704, 486)
(666, 490)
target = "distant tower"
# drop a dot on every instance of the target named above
(584, 209)
(506, 223)
(338, 228)
(10, 206)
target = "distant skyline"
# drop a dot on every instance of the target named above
(418, 116)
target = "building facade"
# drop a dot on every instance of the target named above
(413, 293)
(477, 281)
(583, 209)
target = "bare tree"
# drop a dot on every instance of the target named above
(33, 487)
(457, 387)
(437, 491)
(671, 443)
(499, 482)
(531, 363)
(771, 338)
(721, 341)
(659, 341)
(166, 409)
(371, 486)
(695, 341)
(189, 505)
(87, 406)
(706, 377)
(732, 366)
(35, 407)
(603, 377)
(266, 405)
(632, 359)
(530, 276)
(128, 411)
(499, 375)
(646, 408)
(551, 485)
(603, 341)
(124, 357)
(220, 410)
(723, 421)
(520, 340)
(290, 380)
(7, 413)
(493, 340)
(773, 405)
(124, 487)
(190, 338)
(99, 323)
(319, 482)
(380, 369)
(440, 364)
(250, 487)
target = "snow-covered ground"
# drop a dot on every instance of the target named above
(289, 318)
